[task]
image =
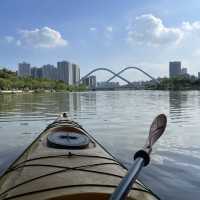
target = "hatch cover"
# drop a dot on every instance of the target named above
(67, 140)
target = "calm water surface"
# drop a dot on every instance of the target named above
(120, 120)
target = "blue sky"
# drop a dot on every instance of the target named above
(101, 33)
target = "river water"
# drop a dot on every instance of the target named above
(119, 120)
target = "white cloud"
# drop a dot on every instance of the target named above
(196, 53)
(108, 34)
(148, 29)
(9, 39)
(191, 26)
(109, 28)
(44, 37)
(18, 43)
(93, 29)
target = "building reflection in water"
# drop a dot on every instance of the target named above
(46, 104)
(75, 101)
(177, 103)
(89, 101)
(66, 102)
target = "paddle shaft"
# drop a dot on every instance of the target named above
(141, 157)
(126, 183)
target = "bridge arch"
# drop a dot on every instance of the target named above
(137, 68)
(108, 70)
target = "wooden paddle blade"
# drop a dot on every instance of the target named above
(156, 130)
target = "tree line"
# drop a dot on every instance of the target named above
(177, 83)
(9, 81)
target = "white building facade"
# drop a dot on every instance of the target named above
(75, 74)
(64, 70)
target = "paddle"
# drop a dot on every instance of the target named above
(141, 157)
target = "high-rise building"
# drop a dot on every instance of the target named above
(86, 81)
(90, 81)
(75, 74)
(184, 71)
(24, 69)
(174, 69)
(65, 72)
(49, 72)
(78, 75)
(198, 75)
(39, 72)
(36, 72)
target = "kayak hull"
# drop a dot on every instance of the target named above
(46, 172)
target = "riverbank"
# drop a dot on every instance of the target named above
(31, 91)
(11, 83)
(176, 83)
(21, 91)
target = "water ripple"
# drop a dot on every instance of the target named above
(120, 121)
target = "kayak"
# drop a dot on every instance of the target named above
(66, 162)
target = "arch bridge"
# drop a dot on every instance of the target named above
(119, 74)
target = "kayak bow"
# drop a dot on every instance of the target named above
(66, 162)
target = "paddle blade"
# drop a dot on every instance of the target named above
(156, 130)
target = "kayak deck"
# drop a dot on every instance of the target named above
(51, 172)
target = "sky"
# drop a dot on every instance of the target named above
(102, 33)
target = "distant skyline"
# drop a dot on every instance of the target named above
(112, 34)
